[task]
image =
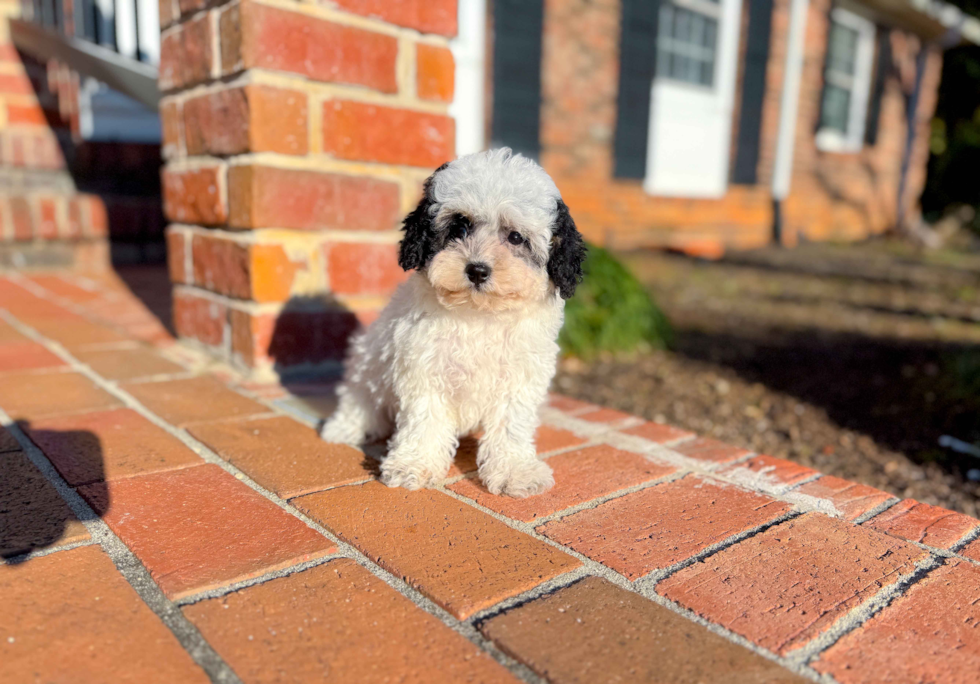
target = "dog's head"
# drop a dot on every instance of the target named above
(492, 232)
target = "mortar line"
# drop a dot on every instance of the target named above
(876, 511)
(344, 549)
(126, 563)
(40, 553)
(965, 540)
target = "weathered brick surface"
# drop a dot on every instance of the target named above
(194, 196)
(274, 38)
(260, 272)
(283, 455)
(267, 197)
(704, 449)
(74, 332)
(200, 319)
(199, 528)
(923, 523)
(22, 356)
(253, 118)
(428, 16)
(462, 559)
(550, 439)
(769, 471)
(71, 617)
(107, 445)
(127, 364)
(782, 588)
(178, 243)
(7, 441)
(434, 72)
(363, 131)
(7, 332)
(658, 432)
(927, 635)
(851, 499)
(32, 514)
(604, 415)
(594, 631)
(580, 476)
(568, 405)
(35, 395)
(186, 54)
(971, 550)
(663, 525)
(292, 337)
(340, 622)
(363, 268)
(194, 400)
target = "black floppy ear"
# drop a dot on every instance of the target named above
(417, 247)
(567, 253)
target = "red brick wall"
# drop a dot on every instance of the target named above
(833, 196)
(43, 219)
(297, 136)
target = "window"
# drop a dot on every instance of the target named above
(687, 34)
(847, 82)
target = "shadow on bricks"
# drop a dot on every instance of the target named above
(33, 515)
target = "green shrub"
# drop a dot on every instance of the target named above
(611, 312)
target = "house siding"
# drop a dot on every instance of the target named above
(833, 196)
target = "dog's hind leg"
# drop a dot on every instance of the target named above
(356, 419)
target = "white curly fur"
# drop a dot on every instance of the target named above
(447, 358)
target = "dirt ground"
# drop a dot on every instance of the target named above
(851, 359)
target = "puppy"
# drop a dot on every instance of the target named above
(468, 342)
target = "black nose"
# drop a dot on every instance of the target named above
(477, 273)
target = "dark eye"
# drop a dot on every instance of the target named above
(459, 227)
(515, 238)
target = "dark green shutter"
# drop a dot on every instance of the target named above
(637, 54)
(749, 137)
(884, 59)
(517, 29)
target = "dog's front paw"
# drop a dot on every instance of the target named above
(520, 480)
(409, 473)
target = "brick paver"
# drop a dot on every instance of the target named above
(127, 364)
(462, 559)
(852, 500)
(338, 623)
(550, 439)
(22, 356)
(923, 523)
(789, 584)
(7, 441)
(710, 450)
(8, 334)
(604, 415)
(658, 432)
(768, 471)
(663, 525)
(194, 400)
(107, 445)
(71, 617)
(928, 635)
(32, 513)
(971, 550)
(568, 405)
(74, 332)
(580, 476)
(37, 395)
(593, 631)
(198, 528)
(283, 455)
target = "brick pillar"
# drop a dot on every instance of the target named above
(296, 137)
(44, 220)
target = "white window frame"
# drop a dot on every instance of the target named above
(709, 9)
(829, 140)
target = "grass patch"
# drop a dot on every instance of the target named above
(611, 312)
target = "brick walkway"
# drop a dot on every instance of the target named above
(160, 523)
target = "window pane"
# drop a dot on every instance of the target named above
(835, 108)
(686, 45)
(842, 49)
